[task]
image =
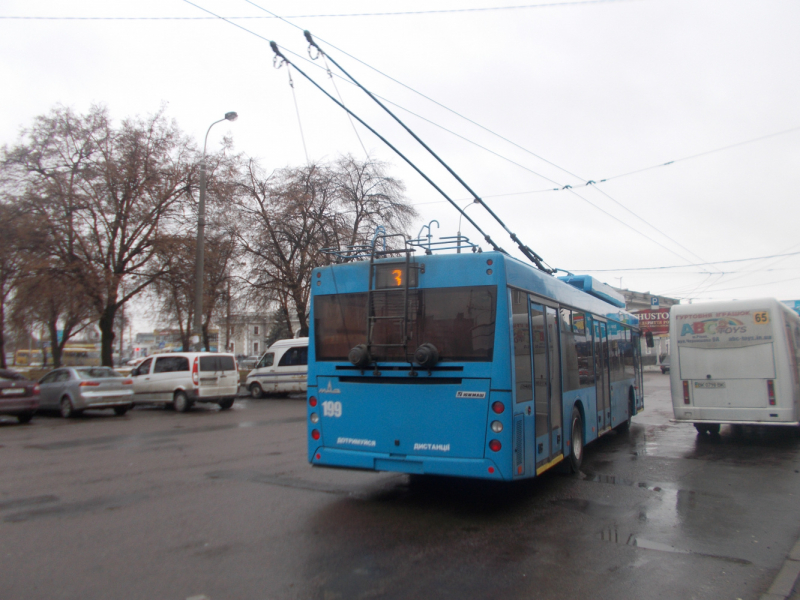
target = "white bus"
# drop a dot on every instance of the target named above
(735, 362)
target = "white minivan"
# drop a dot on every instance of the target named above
(183, 378)
(282, 369)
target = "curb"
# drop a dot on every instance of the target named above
(787, 577)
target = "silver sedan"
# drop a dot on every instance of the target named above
(71, 390)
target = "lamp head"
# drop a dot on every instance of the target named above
(231, 116)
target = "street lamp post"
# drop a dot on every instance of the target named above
(201, 227)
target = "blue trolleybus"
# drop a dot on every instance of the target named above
(470, 365)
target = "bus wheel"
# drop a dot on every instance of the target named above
(626, 424)
(576, 442)
(256, 391)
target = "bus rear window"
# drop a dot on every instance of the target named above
(459, 321)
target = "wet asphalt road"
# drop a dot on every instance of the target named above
(223, 505)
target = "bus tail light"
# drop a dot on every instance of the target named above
(315, 434)
(312, 401)
(686, 392)
(196, 371)
(771, 391)
(498, 407)
(495, 446)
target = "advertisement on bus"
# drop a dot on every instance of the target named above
(723, 328)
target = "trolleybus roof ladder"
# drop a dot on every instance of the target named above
(401, 315)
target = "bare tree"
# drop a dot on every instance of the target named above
(293, 214)
(15, 230)
(370, 198)
(105, 196)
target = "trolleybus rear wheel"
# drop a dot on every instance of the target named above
(576, 441)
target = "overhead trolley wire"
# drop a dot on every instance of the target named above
(376, 14)
(526, 251)
(565, 187)
(716, 262)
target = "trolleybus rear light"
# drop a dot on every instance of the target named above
(319, 456)
(498, 407)
(771, 391)
(491, 469)
(497, 426)
(315, 434)
(312, 401)
(314, 418)
(495, 446)
(686, 392)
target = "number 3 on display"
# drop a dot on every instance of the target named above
(331, 409)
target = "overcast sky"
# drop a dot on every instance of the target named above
(570, 92)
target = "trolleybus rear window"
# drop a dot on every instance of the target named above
(458, 321)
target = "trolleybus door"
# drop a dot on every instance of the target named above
(553, 358)
(547, 383)
(523, 432)
(601, 373)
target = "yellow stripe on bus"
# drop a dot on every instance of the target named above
(553, 462)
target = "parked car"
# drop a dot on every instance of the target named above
(71, 390)
(180, 379)
(282, 369)
(19, 397)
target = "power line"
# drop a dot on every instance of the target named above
(374, 14)
(521, 166)
(718, 262)
(741, 287)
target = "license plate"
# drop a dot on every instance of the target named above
(13, 391)
(709, 385)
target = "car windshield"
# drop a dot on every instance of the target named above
(97, 373)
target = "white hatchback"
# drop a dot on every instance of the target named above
(183, 378)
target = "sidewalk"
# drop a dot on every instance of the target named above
(783, 588)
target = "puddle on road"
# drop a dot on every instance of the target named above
(615, 480)
(611, 534)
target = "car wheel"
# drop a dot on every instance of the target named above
(256, 391)
(181, 402)
(25, 417)
(121, 410)
(713, 428)
(226, 404)
(576, 442)
(67, 410)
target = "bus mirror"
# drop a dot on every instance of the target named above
(648, 339)
(426, 356)
(359, 356)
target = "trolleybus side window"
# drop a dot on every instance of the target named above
(576, 351)
(540, 387)
(522, 346)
